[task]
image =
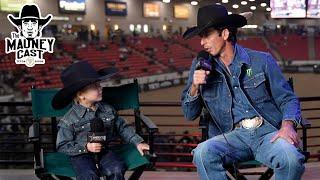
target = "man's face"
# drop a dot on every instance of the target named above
(30, 28)
(212, 41)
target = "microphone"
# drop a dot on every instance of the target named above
(203, 61)
(97, 135)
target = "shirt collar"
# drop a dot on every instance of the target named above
(81, 110)
(240, 55)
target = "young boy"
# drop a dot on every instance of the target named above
(82, 88)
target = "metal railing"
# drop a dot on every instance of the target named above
(172, 151)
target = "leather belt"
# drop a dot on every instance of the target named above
(250, 123)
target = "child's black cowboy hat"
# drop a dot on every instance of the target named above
(214, 16)
(30, 11)
(76, 77)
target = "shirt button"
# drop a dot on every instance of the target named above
(82, 127)
(234, 77)
(247, 111)
(236, 87)
(79, 150)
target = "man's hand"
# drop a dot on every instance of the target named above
(288, 133)
(142, 147)
(94, 147)
(199, 77)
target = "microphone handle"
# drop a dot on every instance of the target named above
(97, 158)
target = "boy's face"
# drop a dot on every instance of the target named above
(92, 93)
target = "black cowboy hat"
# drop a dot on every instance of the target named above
(76, 77)
(214, 16)
(30, 11)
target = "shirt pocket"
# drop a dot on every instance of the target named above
(82, 126)
(211, 88)
(255, 88)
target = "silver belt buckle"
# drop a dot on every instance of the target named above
(251, 123)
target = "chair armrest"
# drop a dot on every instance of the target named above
(149, 124)
(34, 132)
(305, 123)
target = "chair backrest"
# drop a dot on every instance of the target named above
(121, 98)
(41, 104)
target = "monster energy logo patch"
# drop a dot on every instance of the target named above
(249, 72)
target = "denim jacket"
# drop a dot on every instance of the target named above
(260, 80)
(74, 126)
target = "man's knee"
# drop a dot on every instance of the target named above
(205, 153)
(289, 159)
(88, 175)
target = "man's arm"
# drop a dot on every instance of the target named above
(286, 100)
(191, 103)
(282, 93)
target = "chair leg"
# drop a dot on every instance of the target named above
(137, 172)
(235, 173)
(267, 174)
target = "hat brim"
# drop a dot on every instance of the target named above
(41, 21)
(232, 20)
(65, 95)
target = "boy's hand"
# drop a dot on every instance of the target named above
(142, 147)
(94, 147)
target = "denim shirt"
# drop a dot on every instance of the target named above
(241, 108)
(262, 83)
(74, 126)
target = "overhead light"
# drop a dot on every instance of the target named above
(164, 27)
(139, 27)
(268, 8)
(253, 7)
(218, 3)
(235, 6)
(225, 1)
(131, 27)
(116, 27)
(251, 0)
(244, 2)
(145, 28)
(263, 4)
(229, 13)
(166, 1)
(250, 26)
(194, 3)
(92, 27)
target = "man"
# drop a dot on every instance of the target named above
(254, 111)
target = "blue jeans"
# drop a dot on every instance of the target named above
(212, 155)
(110, 165)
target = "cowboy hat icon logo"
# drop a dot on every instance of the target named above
(30, 23)
(28, 43)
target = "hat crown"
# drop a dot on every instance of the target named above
(78, 72)
(210, 13)
(30, 11)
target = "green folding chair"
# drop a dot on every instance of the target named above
(265, 175)
(49, 163)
